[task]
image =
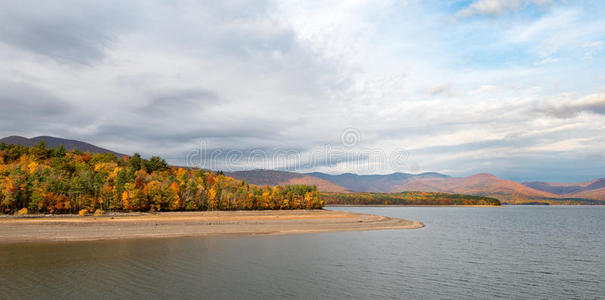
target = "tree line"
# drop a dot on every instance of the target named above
(407, 198)
(54, 180)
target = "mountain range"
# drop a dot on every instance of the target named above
(593, 189)
(272, 177)
(374, 183)
(482, 184)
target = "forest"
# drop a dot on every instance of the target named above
(44, 180)
(406, 198)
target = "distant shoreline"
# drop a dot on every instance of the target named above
(417, 205)
(65, 228)
(404, 205)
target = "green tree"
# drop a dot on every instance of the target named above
(59, 151)
(156, 163)
(39, 152)
(136, 162)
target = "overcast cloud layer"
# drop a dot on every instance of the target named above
(511, 87)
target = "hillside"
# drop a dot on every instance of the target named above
(272, 178)
(54, 142)
(406, 198)
(373, 183)
(480, 185)
(568, 188)
(332, 183)
(595, 194)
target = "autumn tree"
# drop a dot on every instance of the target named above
(60, 181)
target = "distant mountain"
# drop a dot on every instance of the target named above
(594, 194)
(482, 184)
(53, 142)
(331, 183)
(568, 188)
(510, 191)
(272, 178)
(373, 183)
(559, 189)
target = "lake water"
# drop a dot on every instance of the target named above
(463, 252)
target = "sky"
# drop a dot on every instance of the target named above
(515, 88)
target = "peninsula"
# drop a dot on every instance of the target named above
(63, 228)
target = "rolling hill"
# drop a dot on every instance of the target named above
(332, 183)
(373, 183)
(567, 188)
(594, 194)
(53, 142)
(272, 178)
(482, 184)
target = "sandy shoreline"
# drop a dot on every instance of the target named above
(181, 224)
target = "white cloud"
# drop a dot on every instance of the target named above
(294, 75)
(441, 89)
(498, 7)
(548, 60)
(592, 49)
(561, 32)
(485, 89)
(565, 106)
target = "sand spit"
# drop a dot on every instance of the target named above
(181, 224)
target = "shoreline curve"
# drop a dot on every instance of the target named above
(66, 228)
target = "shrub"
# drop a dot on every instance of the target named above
(83, 212)
(99, 212)
(22, 212)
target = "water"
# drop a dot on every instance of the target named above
(510, 252)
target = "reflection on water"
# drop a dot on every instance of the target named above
(545, 252)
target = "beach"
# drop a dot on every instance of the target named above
(63, 228)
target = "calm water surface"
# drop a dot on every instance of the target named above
(510, 252)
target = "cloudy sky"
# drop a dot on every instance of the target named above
(511, 87)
